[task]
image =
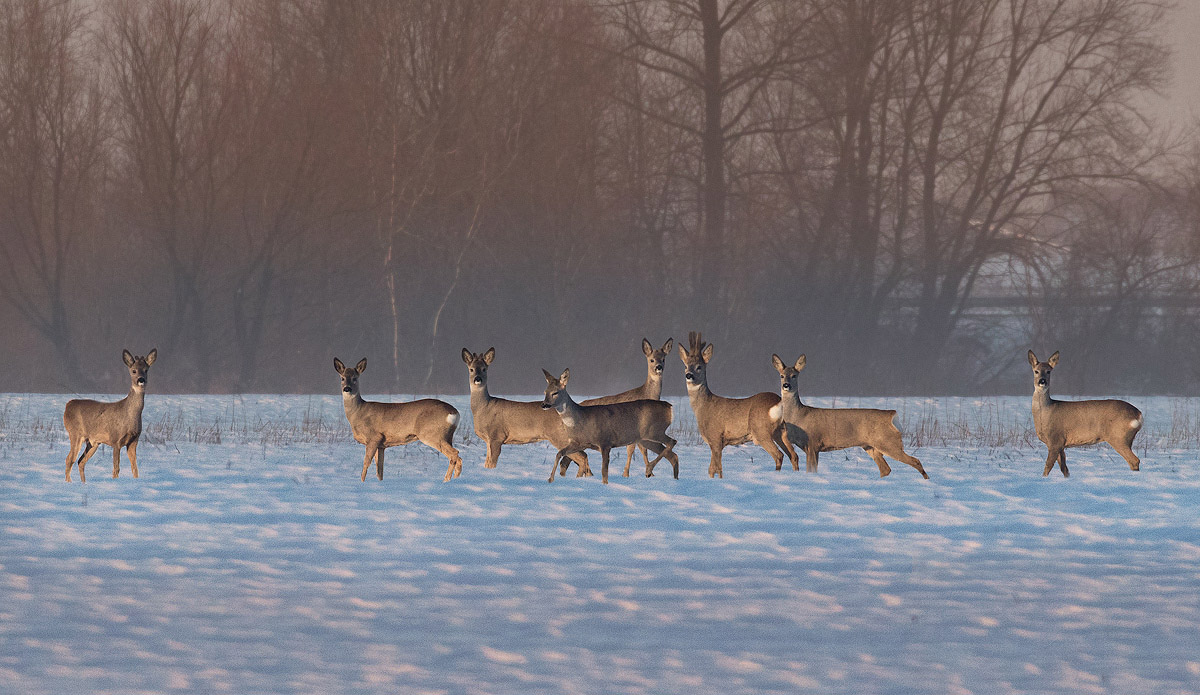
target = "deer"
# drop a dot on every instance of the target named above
(732, 421)
(831, 429)
(92, 423)
(380, 425)
(605, 427)
(499, 421)
(1064, 424)
(651, 390)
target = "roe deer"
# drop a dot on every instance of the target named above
(604, 427)
(651, 390)
(731, 421)
(830, 429)
(499, 421)
(380, 425)
(92, 423)
(1062, 424)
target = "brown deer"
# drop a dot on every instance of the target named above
(499, 421)
(831, 429)
(380, 425)
(1063, 424)
(604, 427)
(651, 390)
(732, 421)
(92, 423)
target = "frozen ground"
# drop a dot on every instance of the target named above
(250, 559)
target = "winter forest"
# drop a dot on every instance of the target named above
(913, 192)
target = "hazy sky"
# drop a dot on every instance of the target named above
(1183, 100)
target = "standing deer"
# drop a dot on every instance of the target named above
(380, 425)
(92, 423)
(732, 421)
(651, 390)
(604, 427)
(830, 429)
(1063, 424)
(499, 421)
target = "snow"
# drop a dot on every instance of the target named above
(248, 558)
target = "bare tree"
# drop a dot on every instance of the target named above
(168, 61)
(52, 157)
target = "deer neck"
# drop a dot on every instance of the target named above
(791, 402)
(1041, 400)
(135, 400)
(699, 395)
(479, 394)
(568, 410)
(653, 385)
(352, 402)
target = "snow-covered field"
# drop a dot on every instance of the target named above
(248, 558)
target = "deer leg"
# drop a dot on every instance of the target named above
(629, 456)
(785, 443)
(1062, 463)
(1126, 452)
(1051, 457)
(445, 448)
(75, 442)
(884, 468)
(493, 453)
(379, 460)
(371, 449)
(714, 464)
(132, 451)
(664, 451)
(561, 455)
(811, 454)
(116, 459)
(895, 449)
(580, 458)
(83, 459)
(604, 451)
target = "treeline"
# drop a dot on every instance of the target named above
(254, 186)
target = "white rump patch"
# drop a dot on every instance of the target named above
(452, 419)
(1136, 422)
(774, 412)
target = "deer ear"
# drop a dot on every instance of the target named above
(337, 365)
(707, 354)
(777, 363)
(667, 345)
(152, 356)
(489, 355)
(562, 380)
(550, 378)
(128, 357)
(1053, 361)
(1032, 359)
(647, 348)
(466, 355)
(800, 362)
(361, 366)
(682, 354)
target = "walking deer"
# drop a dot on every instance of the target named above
(92, 423)
(605, 427)
(380, 425)
(499, 421)
(831, 429)
(1063, 424)
(651, 390)
(732, 421)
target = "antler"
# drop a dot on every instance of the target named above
(695, 344)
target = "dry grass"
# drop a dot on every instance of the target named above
(970, 424)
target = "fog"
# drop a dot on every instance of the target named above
(912, 193)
